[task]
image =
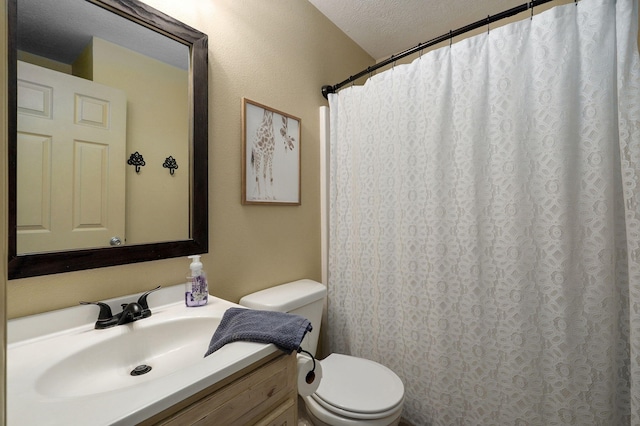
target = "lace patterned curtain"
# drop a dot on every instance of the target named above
(485, 223)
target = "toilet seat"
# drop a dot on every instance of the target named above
(358, 388)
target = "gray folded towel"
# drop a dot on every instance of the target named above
(286, 331)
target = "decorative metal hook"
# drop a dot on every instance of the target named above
(171, 164)
(136, 160)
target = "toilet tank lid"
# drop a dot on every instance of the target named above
(285, 297)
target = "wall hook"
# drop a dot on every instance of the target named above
(171, 164)
(136, 160)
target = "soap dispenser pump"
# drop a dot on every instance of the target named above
(197, 288)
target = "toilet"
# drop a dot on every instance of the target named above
(352, 391)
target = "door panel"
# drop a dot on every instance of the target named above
(71, 162)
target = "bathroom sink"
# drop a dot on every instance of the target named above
(61, 370)
(140, 352)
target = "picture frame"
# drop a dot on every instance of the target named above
(270, 156)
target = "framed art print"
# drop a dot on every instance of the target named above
(270, 155)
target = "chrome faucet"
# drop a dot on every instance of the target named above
(130, 312)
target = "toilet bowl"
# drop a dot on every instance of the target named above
(352, 391)
(355, 391)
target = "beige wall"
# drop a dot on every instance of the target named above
(157, 203)
(278, 53)
(44, 62)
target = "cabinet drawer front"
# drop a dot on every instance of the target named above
(284, 415)
(251, 397)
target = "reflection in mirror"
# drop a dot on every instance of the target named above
(92, 88)
(95, 84)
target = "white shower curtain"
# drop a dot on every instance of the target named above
(485, 223)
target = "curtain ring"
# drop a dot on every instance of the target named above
(450, 38)
(531, 7)
(488, 22)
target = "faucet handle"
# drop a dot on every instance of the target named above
(105, 310)
(142, 300)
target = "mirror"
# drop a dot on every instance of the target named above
(135, 82)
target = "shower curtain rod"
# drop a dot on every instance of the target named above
(450, 35)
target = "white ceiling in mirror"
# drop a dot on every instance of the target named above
(386, 27)
(60, 30)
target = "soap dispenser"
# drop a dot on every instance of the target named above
(197, 288)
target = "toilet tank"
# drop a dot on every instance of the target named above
(303, 297)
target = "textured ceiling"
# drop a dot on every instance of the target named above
(385, 27)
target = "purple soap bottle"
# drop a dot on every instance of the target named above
(197, 289)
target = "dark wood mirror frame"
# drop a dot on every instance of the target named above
(29, 265)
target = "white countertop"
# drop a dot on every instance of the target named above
(38, 342)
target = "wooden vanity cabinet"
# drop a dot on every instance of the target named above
(264, 394)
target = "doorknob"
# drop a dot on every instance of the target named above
(115, 241)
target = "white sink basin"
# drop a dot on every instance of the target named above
(73, 374)
(107, 365)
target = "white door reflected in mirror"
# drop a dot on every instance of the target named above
(71, 161)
